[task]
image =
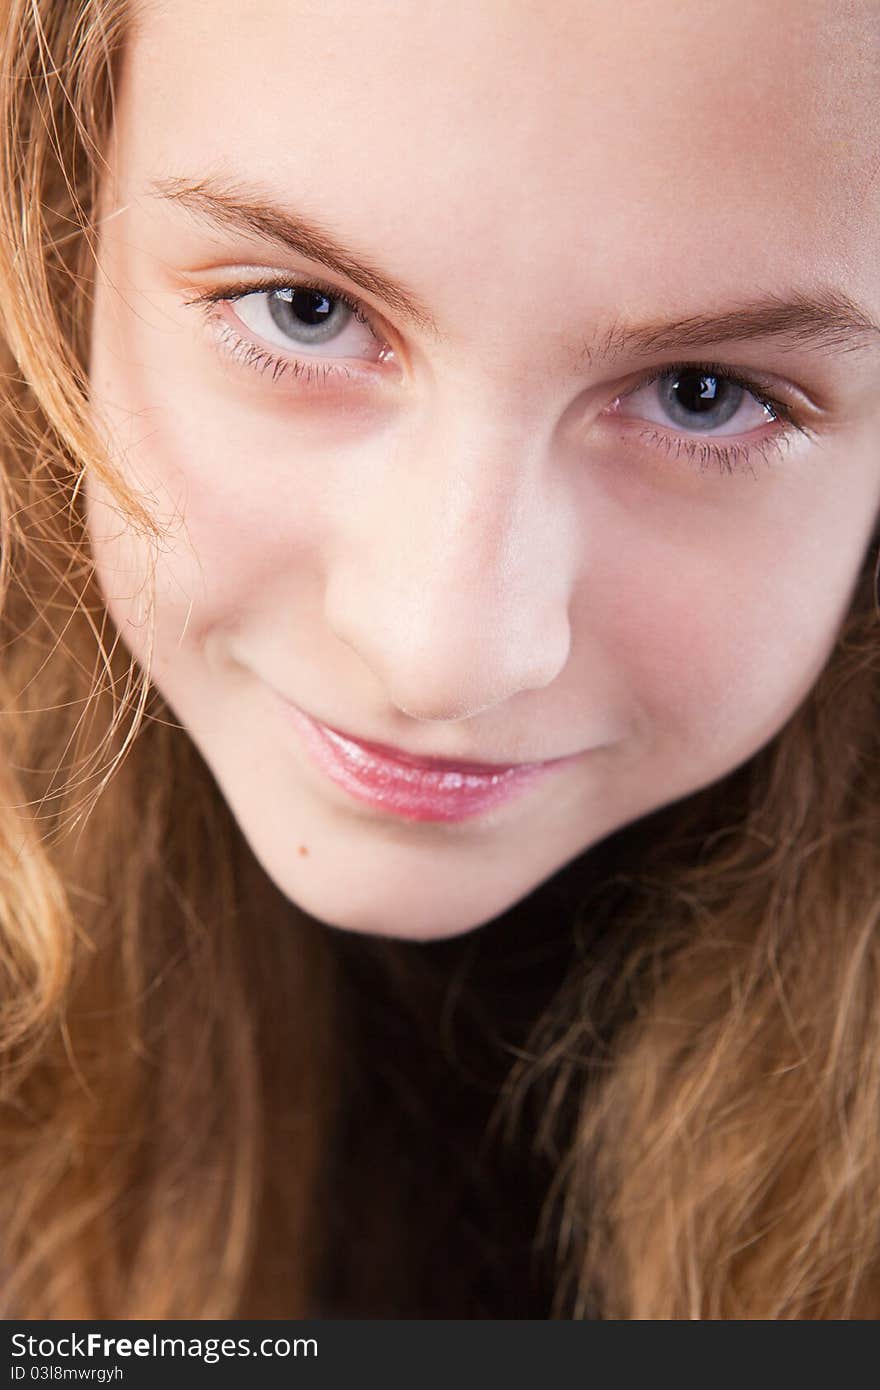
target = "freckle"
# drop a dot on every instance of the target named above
(303, 850)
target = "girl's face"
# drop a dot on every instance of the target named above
(587, 468)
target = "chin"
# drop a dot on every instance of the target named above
(425, 922)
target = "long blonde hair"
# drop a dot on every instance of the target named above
(649, 1090)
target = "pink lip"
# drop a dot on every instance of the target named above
(424, 789)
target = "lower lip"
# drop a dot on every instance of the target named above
(402, 787)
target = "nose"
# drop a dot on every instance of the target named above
(452, 583)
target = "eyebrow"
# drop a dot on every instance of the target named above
(825, 320)
(230, 206)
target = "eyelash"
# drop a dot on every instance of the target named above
(728, 457)
(259, 359)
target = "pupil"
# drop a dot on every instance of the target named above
(311, 306)
(697, 393)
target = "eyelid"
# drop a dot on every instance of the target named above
(752, 383)
(235, 287)
(244, 348)
(731, 453)
(800, 407)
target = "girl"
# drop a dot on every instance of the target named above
(440, 685)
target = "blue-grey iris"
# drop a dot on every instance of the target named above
(699, 401)
(307, 316)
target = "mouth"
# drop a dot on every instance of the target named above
(425, 789)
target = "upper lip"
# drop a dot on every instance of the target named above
(402, 755)
(433, 763)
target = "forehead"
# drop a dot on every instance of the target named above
(714, 140)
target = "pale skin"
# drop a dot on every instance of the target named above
(464, 547)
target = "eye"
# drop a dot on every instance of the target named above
(303, 317)
(709, 413)
(304, 330)
(700, 400)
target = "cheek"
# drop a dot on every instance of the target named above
(718, 655)
(239, 501)
(240, 491)
(721, 603)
